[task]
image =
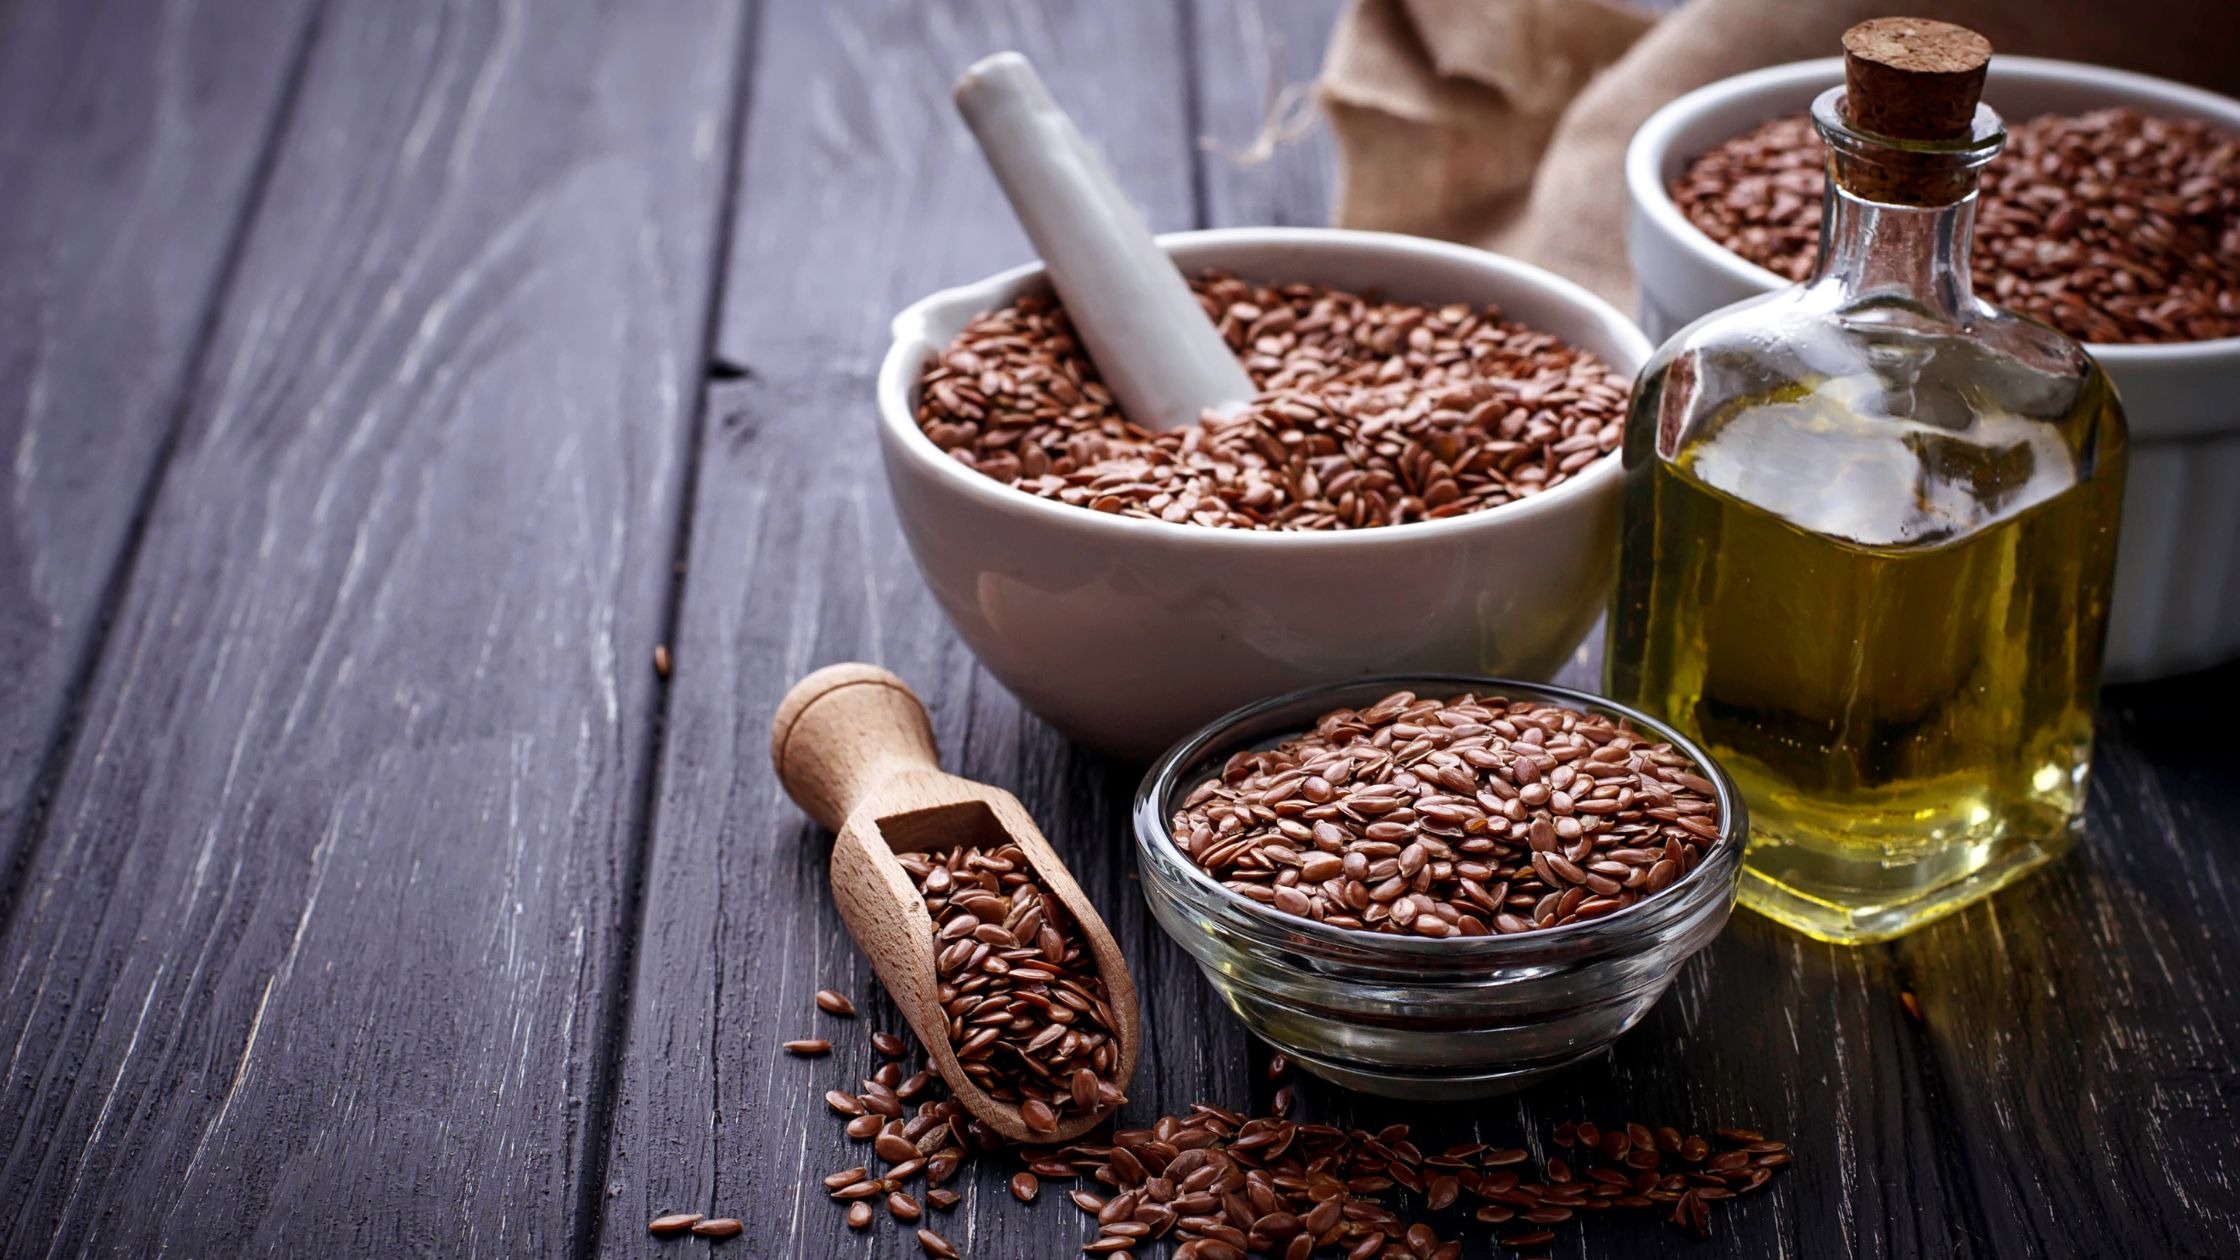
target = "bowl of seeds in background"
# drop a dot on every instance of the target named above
(1425, 482)
(1439, 887)
(2113, 215)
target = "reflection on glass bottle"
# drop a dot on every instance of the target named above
(1868, 538)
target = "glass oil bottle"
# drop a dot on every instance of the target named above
(1869, 531)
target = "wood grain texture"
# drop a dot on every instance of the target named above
(130, 139)
(860, 192)
(320, 940)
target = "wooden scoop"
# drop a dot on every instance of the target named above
(854, 749)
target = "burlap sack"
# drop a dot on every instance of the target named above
(1504, 122)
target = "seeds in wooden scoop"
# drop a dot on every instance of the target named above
(834, 1003)
(1464, 817)
(1028, 1012)
(674, 1223)
(1370, 413)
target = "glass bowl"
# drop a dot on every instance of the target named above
(1410, 1017)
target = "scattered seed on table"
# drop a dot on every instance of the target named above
(845, 1177)
(903, 1206)
(1024, 1187)
(936, 1246)
(862, 1126)
(943, 1198)
(834, 1003)
(859, 1215)
(661, 659)
(889, 1045)
(674, 1223)
(808, 1047)
(843, 1102)
(720, 1227)
(894, 1148)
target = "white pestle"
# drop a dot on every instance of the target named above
(1163, 360)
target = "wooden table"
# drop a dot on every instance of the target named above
(381, 383)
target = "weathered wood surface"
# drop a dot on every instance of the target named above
(114, 250)
(384, 904)
(860, 192)
(318, 947)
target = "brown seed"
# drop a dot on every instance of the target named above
(843, 1102)
(1024, 1187)
(894, 1148)
(889, 1045)
(833, 1003)
(1529, 1238)
(673, 1223)
(1911, 1003)
(862, 1126)
(808, 1046)
(719, 1227)
(903, 1207)
(936, 1246)
(1443, 1192)
(943, 1198)
(661, 659)
(859, 1215)
(845, 1177)
(1037, 1116)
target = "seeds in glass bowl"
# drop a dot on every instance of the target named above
(1370, 413)
(1029, 1017)
(2112, 226)
(1463, 817)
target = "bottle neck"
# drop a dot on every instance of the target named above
(1917, 255)
(1900, 215)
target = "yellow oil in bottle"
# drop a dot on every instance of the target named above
(1887, 629)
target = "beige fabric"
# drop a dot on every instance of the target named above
(1445, 109)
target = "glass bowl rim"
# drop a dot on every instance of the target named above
(1156, 846)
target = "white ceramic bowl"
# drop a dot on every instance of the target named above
(1127, 634)
(2177, 598)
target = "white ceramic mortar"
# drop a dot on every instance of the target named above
(1127, 634)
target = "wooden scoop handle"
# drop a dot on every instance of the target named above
(844, 730)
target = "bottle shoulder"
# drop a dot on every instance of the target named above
(1882, 427)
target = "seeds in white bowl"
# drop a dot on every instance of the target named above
(1370, 413)
(1464, 817)
(2112, 226)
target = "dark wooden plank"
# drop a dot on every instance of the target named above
(321, 943)
(129, 145)
(860, 193)
(2088, 1020)
(1265, 157)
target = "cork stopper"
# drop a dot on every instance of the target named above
(1909, 82)
(1912, 78)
